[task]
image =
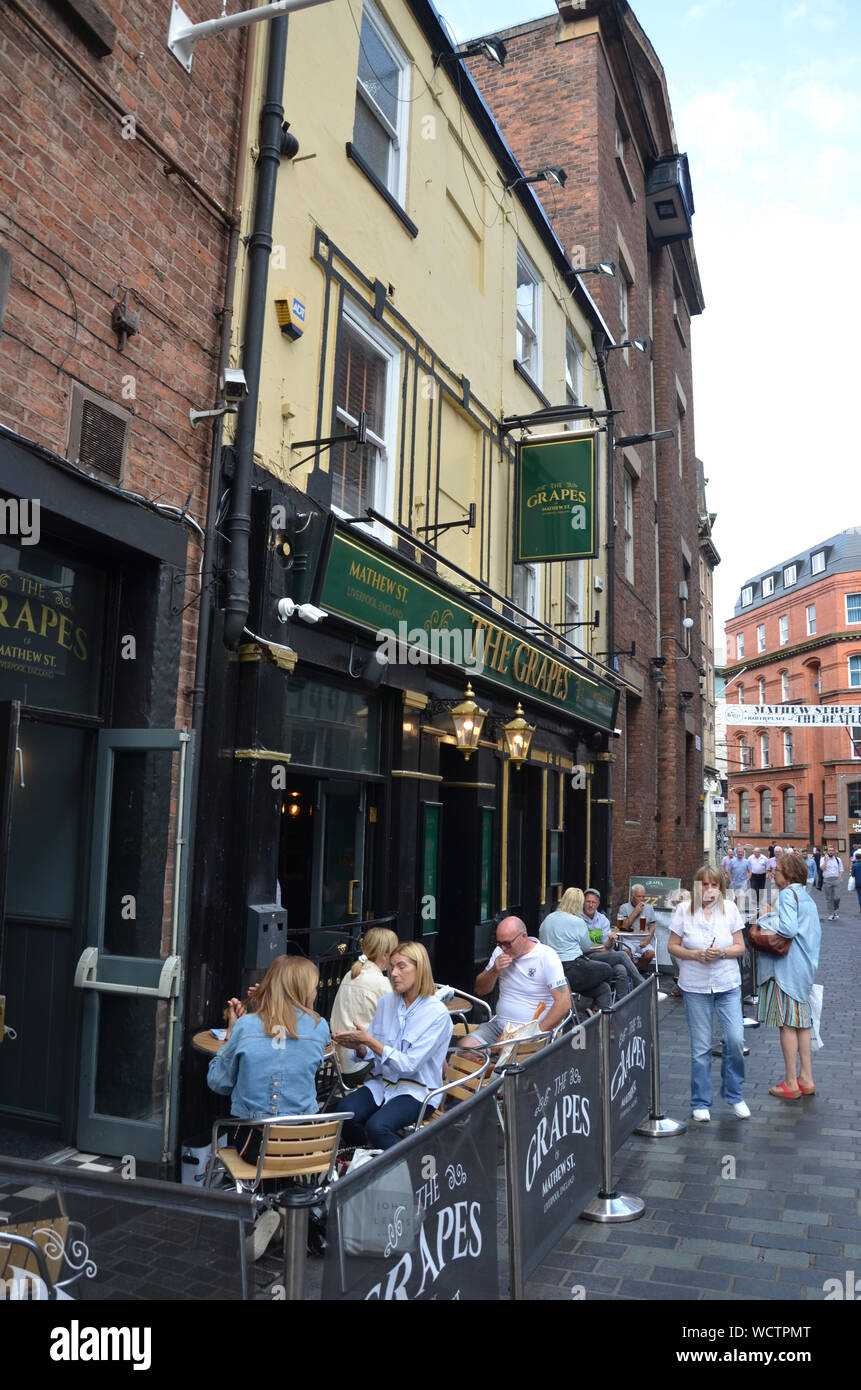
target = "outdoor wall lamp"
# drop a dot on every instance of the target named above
(468, 720)
(493, 50)
(552, 173)
(518, 736)
(600, 268)
(641, 344)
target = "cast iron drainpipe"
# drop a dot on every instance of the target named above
(238, 526)
(611, 585)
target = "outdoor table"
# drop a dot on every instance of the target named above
(458, 1005)
(206, 1043)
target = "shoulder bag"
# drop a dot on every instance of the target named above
(770, 943)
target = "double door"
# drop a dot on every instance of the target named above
(94, 834)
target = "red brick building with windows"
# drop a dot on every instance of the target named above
(117, 182)
(795, 638)
(585, 90)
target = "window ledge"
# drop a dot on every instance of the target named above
(360, 163)
(626, 178)
(521, 371)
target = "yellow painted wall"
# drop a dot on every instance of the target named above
(455, 282)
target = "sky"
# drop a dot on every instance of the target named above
(766, 100)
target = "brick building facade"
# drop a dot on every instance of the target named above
(795, 638)
(585, 90)
(116, 193)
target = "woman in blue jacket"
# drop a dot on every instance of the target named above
(785, 981)
(269, 1063)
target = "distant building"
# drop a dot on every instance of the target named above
(795, 638)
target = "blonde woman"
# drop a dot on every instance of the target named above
(706, 938)
(269, 1062)
(359, 994)
(407, 1042)
(565, 932)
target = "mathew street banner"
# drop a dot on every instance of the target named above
(557, 516)
(794, 714)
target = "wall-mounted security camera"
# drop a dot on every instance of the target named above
(234, 387)
(287, 607)
(599, 584)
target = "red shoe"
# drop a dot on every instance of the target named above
(783, 1092)
(807, 1090)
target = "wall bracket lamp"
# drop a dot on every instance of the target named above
(356, 437)
(599, 268)
(468, 523)
(493, 50)
(518, 736)
(551, 173)
(182, 35)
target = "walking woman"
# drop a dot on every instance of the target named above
(785, 981)
(708, 944)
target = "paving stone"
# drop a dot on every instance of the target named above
(711, 1233)
(778, 1228)
(638, 1288)
(721, 1265)
(701, 1278)
(761, 1289)
(659, 1188)
(656, 1242)
(775, 1255)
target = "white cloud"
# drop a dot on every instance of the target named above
(817, 14)
(826, 108)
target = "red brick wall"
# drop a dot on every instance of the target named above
(83, 211)
(556, 104)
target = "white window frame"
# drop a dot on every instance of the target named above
(747, 595)
(790, 576)
(396, 181)
(853, 684)
(760, 690)
(743, 753)
(574, 590)
(765, 798)
(760, 637)
(784, 687)
(768, 586)
(783, 629)
(817, 562)
(530, 332)
(855, 741)
(385, 445)
(787, 828)
(628, 523)
(810, 618)
(739, 646)
(852, 622)
(740, 693)
(787, 748)
(531, 579)
(573, 373)
(744, 810)
(764, 751)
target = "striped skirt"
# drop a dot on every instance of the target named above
(779, 1010)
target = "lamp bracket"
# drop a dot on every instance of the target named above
(356, 436)
(468, 524)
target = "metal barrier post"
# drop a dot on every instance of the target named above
(609, 1205)
(512, 1168)
(294, 1204)
(657, 1126)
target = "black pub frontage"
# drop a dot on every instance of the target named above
(333, 790)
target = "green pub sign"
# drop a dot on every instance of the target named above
(556, 498)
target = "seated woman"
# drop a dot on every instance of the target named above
(407, 1040)
(273, 1050)
(359, 994)
(567, 934)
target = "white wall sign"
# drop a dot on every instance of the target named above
(794, 714)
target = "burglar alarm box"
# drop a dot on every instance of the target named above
(290, 308)
(266, 935)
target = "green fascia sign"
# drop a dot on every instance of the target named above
(659, 891)
(556, 498)
(421, 623)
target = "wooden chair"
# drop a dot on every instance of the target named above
(463, 1074)
(292, 1146)
(41, 1259)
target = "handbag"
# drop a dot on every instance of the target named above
(770, 943)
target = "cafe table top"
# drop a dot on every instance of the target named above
(204, 1041)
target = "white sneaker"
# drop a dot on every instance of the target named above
(742, 1110)
(701, 1115)
(264, 1229)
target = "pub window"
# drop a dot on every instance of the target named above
(765, 813)
(787, 747)
(365, 381)
(528, 344)
(763, 750)
(744, 810)
(789, 810)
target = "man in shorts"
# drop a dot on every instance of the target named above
(528, 974)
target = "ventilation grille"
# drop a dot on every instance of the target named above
(98, 434)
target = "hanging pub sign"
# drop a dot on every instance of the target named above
(556, 498)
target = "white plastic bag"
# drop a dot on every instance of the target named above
(850, 887)
(512, 1034)
(816, 1013)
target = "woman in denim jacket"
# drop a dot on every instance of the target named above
(785, 981)
(269, 1063)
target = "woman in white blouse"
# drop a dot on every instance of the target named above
(708, 943)
(358, 995)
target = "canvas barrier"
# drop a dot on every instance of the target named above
(630, 1058)
(420, 1221)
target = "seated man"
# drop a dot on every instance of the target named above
(567, 934)
(607, 952)
(528, 974)
(643, 952)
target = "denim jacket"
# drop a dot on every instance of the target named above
(269, 1076)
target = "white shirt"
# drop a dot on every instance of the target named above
(697, 934)
(528, 982)
(758, 864)
(415, 1043)
(832, 867)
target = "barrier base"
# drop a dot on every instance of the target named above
(613, 1206)
(659, 1127)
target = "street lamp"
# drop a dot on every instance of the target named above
(551, 173)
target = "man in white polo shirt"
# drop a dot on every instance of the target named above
(528, 974)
